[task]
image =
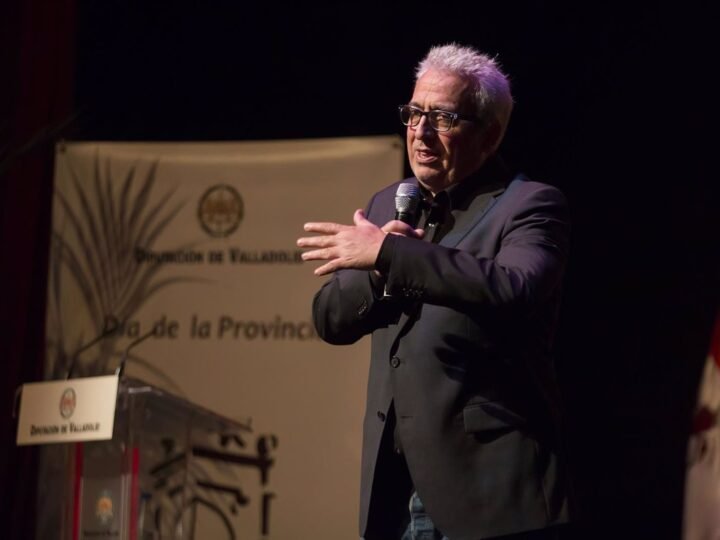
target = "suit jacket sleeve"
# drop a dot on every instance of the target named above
(351, 305)
(524, 271)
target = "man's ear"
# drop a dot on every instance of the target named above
(492, 135)
(489, 137)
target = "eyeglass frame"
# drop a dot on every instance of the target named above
(454, 116)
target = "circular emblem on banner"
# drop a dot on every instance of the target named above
(68, 401)
(220, 210)
(104, 507)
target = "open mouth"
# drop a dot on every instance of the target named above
(425, 156)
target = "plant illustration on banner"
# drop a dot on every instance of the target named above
(95, 249)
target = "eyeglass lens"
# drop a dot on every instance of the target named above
(438, 120)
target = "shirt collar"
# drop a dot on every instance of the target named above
(493, 176)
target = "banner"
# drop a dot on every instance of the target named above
(702, 483)
(194, 243)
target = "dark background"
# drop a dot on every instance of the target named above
(613, 105)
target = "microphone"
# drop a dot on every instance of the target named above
(408, 201)
(110, 326)
(126, 355)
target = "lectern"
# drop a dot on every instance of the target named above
(169, 471)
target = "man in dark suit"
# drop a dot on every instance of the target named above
(461, 426)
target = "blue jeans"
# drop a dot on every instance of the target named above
(421, 526)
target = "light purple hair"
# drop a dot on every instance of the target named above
(490, 86)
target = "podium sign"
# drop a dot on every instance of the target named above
(67, 411)
(171, 470)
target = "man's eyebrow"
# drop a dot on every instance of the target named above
(438, 107)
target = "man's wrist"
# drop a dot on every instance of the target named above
(384, 257)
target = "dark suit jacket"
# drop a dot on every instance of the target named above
(460, 348)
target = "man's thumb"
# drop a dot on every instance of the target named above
(359, 217)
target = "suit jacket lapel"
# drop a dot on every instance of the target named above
(467, 220)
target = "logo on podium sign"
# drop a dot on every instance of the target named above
(68, 401)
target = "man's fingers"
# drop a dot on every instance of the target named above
(398, 227)
(316, 241)
(325, 269)
(324, 227)
(318, 255)
(342, 246)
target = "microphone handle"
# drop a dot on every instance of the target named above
(407, 217)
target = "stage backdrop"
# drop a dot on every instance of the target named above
(197, 241)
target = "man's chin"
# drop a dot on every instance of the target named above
(427, 172)
(431, 179)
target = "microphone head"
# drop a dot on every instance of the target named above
(407, 199)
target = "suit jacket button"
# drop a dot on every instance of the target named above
(381, 416)
(394, 361)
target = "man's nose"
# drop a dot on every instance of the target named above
(423, 130)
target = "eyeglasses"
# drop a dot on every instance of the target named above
(440, 121)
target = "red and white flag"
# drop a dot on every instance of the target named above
(702, 484)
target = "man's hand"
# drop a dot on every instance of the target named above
(349, 246)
